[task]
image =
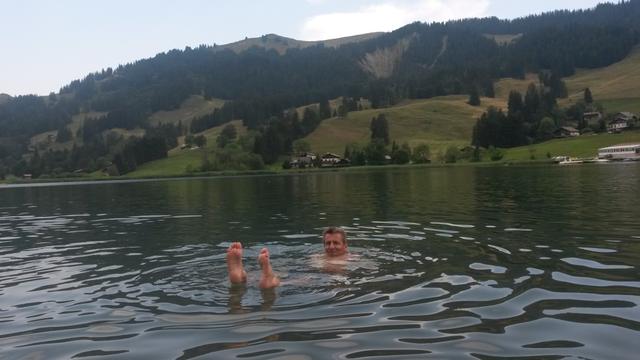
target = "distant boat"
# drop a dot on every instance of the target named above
(570, 162)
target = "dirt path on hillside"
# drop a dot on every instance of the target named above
(445, 40)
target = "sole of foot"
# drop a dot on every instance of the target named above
(237, 274)
(268, 279)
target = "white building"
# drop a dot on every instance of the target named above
(620, 152)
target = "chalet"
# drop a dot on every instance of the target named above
(303, 160)
(592, 117)
(625, 115)
(622, 121)
(617, 125)
(566, 131)
(330, 159)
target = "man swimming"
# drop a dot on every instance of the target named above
(334, 240)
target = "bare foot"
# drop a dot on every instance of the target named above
(268, 279)
(237, 274)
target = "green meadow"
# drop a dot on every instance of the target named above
(439, 122)
(178, 159)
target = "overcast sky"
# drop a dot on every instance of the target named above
(47, 44)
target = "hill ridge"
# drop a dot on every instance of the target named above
(281, 43)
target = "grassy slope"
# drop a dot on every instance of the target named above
(619, 80)
(503, 39)
(502, 87)
(76, 123)
(440, 122)
(617, 86)
(178, 160)
(194, 106)
(78, 119)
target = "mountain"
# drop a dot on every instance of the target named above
(260, 80)
(282, 44)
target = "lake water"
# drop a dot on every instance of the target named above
(454, 263)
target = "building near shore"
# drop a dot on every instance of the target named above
(620, 152)
(622, 121)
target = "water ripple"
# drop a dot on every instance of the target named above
(422, 281)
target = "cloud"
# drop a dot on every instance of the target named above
(388, 16)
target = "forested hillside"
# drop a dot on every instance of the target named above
(260, 86)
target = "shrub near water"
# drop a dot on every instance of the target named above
(231, 157)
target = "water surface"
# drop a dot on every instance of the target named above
(455, 263)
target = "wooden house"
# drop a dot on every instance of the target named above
(566, 131)
(622, 121)
(330, 159)
(592, 117)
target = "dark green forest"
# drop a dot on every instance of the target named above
(260, 87)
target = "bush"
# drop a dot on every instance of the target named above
(421, 154)
(200, 141)
(451, 155)
(402, 155)
(495, 154)
(376, 152)
(475, 156)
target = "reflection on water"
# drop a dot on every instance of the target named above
(446, 263)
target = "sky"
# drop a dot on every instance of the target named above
(46, 44)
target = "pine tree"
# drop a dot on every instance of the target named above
(515, 104)
(380, 129)
(588, 98)
(474, 97)
(64, 135)
(532, 103)
(324, 110)
(488, 89)
(310, 120)
(227, 135)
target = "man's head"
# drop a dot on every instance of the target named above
(335, 241)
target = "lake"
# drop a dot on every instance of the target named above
(453, 263)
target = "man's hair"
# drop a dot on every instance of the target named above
(335, 230)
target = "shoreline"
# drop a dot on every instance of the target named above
(21, 183)
(255, 173)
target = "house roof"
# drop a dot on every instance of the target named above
(618, 120)
(569, 128)
(330, 155)
(620, 146)
(306, 154)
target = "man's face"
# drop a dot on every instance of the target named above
(334, 245)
